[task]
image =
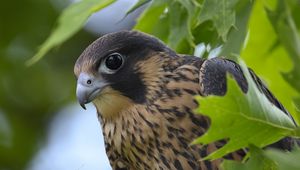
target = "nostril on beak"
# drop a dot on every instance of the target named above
(89, 81)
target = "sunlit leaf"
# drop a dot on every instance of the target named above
(288, 35)
(269, 64)
(243, 118)
(70, 21)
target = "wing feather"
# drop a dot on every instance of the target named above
(213, 80)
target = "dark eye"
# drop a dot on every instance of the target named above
(114, 61)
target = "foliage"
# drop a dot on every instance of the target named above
(222, 19)
(257, 161)
(264, 33)
(243, 119)
(270, 59)
(288, 35)
(70, 21)
(268, 159)
(284, 160)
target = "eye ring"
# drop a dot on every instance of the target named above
(112, 63)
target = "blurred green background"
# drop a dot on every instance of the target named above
(30, 97)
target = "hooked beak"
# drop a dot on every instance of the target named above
(88, 88)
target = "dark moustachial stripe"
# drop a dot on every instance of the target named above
(129, 83)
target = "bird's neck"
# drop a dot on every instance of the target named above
(135, 125)
(111, 103)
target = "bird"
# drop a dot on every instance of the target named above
(144, 91)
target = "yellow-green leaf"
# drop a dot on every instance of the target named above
(268, 60)
(288, 36)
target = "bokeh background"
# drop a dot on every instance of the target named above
(41, 125)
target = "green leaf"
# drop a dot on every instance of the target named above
(137, 5)
(243, 118)
(70, 21)
(293, 77)
(285, 160)
(150, 20)
(288, 35)
(179, 22)
(193, 8)
(269, 64)
(297, 104)
(171, 21)
(257, 161)
(267, 159)
(236, 37)
(182, 20)
(221, 13)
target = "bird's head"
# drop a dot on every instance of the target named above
(117, 70)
